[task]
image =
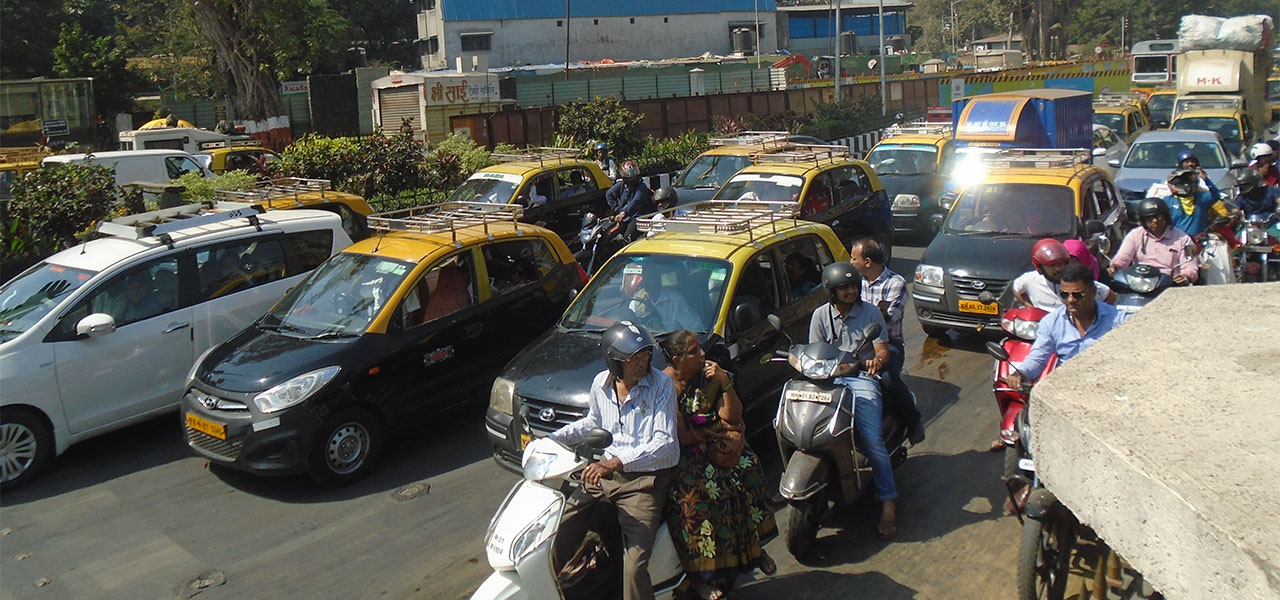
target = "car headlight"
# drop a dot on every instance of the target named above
(537, 532)
(949, 198)
(295, 390)
(906, 201)
(929, 275)
(502, 396)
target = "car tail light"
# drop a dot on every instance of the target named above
(582, 274)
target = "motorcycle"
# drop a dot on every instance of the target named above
(822, 456)
(600, 239)
(1137, 285)
(520, 542)
(1020, 323)
(1259, 250)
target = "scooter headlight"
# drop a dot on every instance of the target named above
(1143, 285)
(1255, 237)
(537, 532)
(813, 367)
(538, 464)
(1025, 329)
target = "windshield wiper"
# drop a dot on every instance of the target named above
(329, 335)
(564, 329)
(281, 328)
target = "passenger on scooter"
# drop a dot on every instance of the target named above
(1068, 329)
(1081, 255)
(636, 403)
(1255, 198)
(605, 163)
(887, 290)
(1190, 205)
(840, 323)
(1187, 160)
(1039, 287)
(629, 198)
(1157, 243)
(1264, 162)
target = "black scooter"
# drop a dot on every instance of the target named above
(601, 238)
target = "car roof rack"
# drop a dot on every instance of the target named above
(1039, 158)
(273, 192)
(541, 154)
(804, 153)
(447, 216)
(720, 216)
(917, 129)
(163, 223)
(246, 142)
(1116, 99)
(767, 140)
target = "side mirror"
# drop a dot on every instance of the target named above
(871, 331)
(774, 322)
(598, 439)
(996, 350)
(1239, 163)
(1094, 226)
(96, 324)
(745, 314)
(1099, 151)
(1114, 163)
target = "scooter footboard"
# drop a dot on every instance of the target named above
(806, 474)
(501, 585)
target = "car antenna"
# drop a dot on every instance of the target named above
(381, 233)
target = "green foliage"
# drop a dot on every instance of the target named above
(320, 157)
(201, 189)
(606, 120)
(80, 54)
(55, 204)
(456, 158)
(849, 116)
(669, 154)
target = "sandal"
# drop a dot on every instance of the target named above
(886, 529)
(997, 446)
(767, 566)
(707, 591)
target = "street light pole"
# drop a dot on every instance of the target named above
(836, 47)
(884, 106)
(566, 38)
(757, 44)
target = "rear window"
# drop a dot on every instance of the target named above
(310, 248)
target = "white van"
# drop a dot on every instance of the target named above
(102, 335)
(133, 166)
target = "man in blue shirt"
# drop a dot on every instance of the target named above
(1190, 207)
(629, 198)
(1255, 198)
(1070, 328)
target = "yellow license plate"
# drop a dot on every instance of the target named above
(206, 426)
(524, 440)
(971, 306)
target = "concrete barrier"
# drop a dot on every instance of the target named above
(1164, 437)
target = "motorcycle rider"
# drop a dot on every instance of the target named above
(666, 197)
(840, 323)
(629, 198)
(1190, 206)
(1255, 198)
(606, 164)
(1187, 160)
(1157, 243)
(636, 403)
(1039, 286)
(1264, 162)
(1070, 328)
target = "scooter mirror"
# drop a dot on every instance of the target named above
(871, 331)
(599, 439)
(997, 351)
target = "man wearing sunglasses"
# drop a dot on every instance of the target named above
(1159, 244)
(1070, 328)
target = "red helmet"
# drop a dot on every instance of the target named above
(1048, 251)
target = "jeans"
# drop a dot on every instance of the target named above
(867, 420)
(897, 396)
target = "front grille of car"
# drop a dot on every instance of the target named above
(215, 403)
(966, 320)
(969, 288)
(564, 415)
(220, 448)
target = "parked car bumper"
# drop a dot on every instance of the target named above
(939, 307)
(274, 444)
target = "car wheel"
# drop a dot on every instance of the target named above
(26, 445)
(346, 447)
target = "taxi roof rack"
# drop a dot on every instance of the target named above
(246, 142)
(276, 190)
(804, 153)
(1039, 158)
(917, 129)
(161, 224)
(1116, 99)
(720, 216)
(446, 216)
(764, 139)
(542, 154)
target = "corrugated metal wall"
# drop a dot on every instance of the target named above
(549, 92)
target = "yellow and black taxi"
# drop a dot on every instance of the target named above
(1160, 107)
(714, 268)
(1273, 97)
(1023, 196)
(220, 157)
(912, 162)
(728, 154)
(296, 192)
(554, 186)
(407, 320)
(1122, 114)
(16, 162)
(830, 187)
(1231, 124)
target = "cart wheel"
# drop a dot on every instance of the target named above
(1044, 558)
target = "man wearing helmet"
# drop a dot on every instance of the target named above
(841, 323)
(606, 164)
(1255, 198)
(1157, 243)
(1188, 160)
(1190, 205)
(1039, 287)
(1264, 161)
(629, 198)
(636, 403)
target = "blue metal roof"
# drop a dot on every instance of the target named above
(493, 10)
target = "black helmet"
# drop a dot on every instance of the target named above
(1150, 207)
(838, 274)
(666, 196)
(1248, 179)
(621, 341)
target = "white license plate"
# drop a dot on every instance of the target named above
(807, 396)
(1027, 464)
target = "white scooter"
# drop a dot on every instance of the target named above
(521, 539)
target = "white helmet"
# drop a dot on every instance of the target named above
(1260, 149)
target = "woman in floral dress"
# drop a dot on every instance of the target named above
(719, 517)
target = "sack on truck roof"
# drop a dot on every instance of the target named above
(1248, 33)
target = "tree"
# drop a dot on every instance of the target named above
(30, 29)
(79, 54)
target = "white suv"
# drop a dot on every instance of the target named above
(102, 335)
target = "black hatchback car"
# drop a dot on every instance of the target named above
(396, 323)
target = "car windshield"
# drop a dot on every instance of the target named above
(342, 296)
(1226, 127)
(711, 171)
(662, 292)
(1151, 65)
(1164, 155)
(1273, 91)
(1161, 103)
(1022, 209)
(1113, 121)
(903, 159)
(763, 187)
(27, 298)
(484, 187)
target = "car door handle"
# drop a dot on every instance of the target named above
(473, 329)
(173, 328)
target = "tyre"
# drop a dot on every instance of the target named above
(803, 523)
(934, 331)
(26, 445)
(1044, 558)
(346, 447)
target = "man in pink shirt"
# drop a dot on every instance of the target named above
(1157, 243)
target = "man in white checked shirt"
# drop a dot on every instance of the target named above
(636, 403)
